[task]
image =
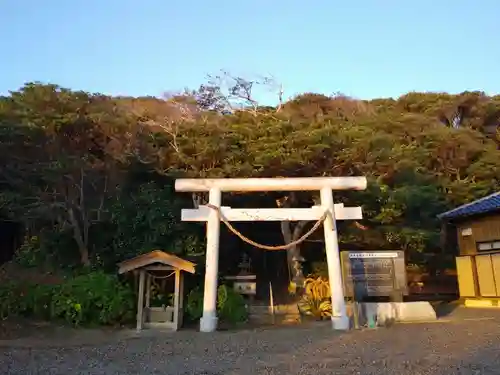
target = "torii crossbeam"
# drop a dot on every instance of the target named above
(215, 187)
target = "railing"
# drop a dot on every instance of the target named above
(479, 274)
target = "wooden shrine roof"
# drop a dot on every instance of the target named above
(155, 257)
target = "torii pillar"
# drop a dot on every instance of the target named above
(325, 185)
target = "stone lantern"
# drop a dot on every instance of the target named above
(245, 282)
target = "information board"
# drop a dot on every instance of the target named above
(373, 273)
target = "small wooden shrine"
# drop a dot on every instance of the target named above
(158, 265)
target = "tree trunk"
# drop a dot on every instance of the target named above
(287, 237)
(293, 255)
(292, 233)
(78, 236)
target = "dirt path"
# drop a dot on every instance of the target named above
(454, 346)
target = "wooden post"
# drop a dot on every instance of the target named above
(208, 322)
(181, 299)
(140, 300)
(355, 313)
(340, 320)
(271, 303)
(176, 299)
(148, 290)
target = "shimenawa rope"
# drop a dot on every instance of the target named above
(160, 277)
(267, 247)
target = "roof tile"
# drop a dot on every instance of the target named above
(484, 205)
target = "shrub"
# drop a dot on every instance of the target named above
(25, 299)
(94, 298)
(36, 300)
(43, 252)
(29, 254)
(194, 305)
(231, 306)
(316, 300)
(10, 300)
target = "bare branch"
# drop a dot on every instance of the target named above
(235, 93)
(198, 199)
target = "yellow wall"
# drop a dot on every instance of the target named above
(483, 229)
(466, 275)
(478, 273)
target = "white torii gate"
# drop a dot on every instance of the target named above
(215, 187)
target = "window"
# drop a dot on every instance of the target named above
(488, 246)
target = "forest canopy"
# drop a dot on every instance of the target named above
(89, 176)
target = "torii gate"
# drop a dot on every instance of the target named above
(213, 213)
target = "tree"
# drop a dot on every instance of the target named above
(63, 153)
(59, 165)
(226, 93)
(342, 136)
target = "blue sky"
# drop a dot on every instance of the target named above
(364, 48)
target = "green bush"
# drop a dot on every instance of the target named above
(29, 254)
(231, 306)
(94, 298)
(25, 299)
(194, 305)
(36, 300)
(10, 300)
(43, 251)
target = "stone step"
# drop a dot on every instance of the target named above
(278, 309)
(283, 314)
(275, 320)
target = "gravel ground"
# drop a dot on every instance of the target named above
(465, 345)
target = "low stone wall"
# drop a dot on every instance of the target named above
(388, 312)
(382, 313)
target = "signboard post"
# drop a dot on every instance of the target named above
(374, 274)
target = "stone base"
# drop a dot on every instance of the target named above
(208, 324)
(482, 302)
(389, 312)
(340, 323)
